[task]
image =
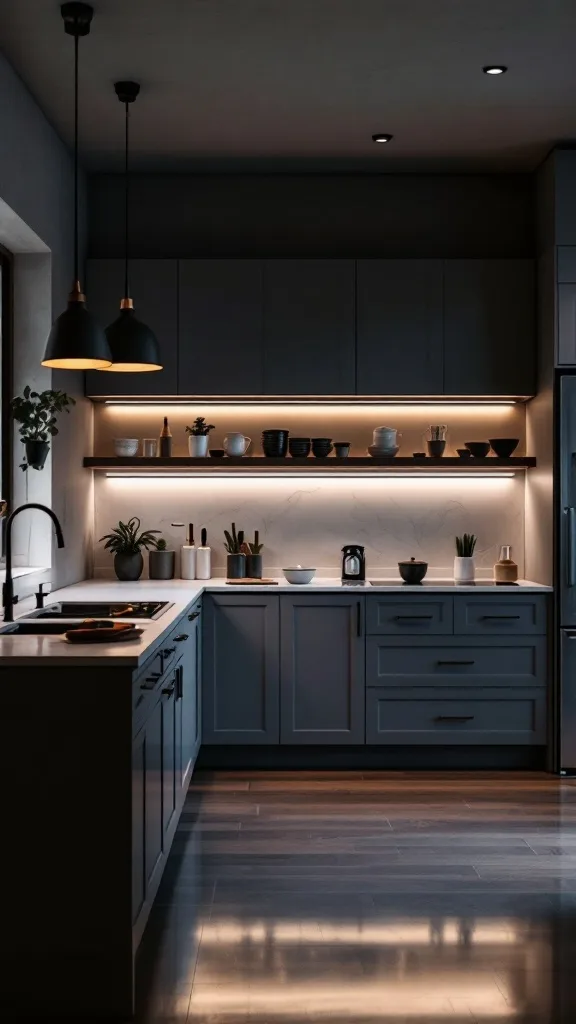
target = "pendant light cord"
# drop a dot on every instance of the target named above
(76, 261)
(126, 202)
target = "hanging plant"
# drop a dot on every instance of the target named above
(37, 413)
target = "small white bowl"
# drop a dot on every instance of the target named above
(298, 575)
(126, 446)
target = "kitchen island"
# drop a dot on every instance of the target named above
(100, 742)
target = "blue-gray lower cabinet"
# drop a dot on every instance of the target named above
(322, 688)
(443, 718)
(410, 614)
(188, 690)
(507, 616)
(241, 669)
(456, 661)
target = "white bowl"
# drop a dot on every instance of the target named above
(126, 446)
(298, 575)
(378, 452)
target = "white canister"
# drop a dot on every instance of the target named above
(464, 569)
(236, 444)
(198, 445)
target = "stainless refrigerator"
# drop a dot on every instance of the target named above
(566, 576)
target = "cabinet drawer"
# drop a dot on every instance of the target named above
(489, 616)
(174, 645)
(409, 616)
(440, 718)
(455, 662)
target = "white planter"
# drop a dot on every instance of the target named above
(198, 445)
(464, 569)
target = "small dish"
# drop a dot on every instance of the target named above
(464, 453)
(478, 449)
(217, 453)
(419, 455)
(125, 447)
(296, 574)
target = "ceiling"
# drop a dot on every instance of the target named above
(303, 84)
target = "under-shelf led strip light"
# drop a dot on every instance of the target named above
(327, 475)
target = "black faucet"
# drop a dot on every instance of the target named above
(8, 599)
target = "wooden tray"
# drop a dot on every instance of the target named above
(251, 583)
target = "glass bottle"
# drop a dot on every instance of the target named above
(505, 569)
(165, 441)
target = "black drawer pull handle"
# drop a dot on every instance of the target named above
(168, 690)
(151, 679)
(454, 662)
(400, 617)
(499, 616)
(180, 638)
(454, 718)
(193, 615)
(168, 651)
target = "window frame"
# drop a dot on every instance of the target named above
(7, 377)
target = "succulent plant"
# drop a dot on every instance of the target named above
(124, 539)
(254, 545)
(161, 544)
(465, 545)
(234, 540)
(200, 428)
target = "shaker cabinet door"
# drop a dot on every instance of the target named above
(489, 327)
(399, 327)
(220, 341)
(154, 288)
(309, 329)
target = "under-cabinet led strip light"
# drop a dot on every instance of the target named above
(351, 475)
(359, 403)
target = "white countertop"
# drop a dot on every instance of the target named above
(27, 650)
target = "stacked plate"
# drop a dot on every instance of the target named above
(299, 447)
(321, 447)
(274, 443)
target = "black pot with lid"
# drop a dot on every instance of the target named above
(413, 571)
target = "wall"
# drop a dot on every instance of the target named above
(306, 520)
(36, 218)
(315, 215)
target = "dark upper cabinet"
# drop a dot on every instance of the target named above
(322, 669)
(220, 335)
(154, 288)
(399, 327)
(240, 680)
(489, 327)
(309, 327)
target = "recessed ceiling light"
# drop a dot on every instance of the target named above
(495, 69)
(382, 137)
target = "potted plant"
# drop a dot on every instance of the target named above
(236, 559)
(464, 559)
(37, 412)
(254, 559)
(198, 437)
(126, 543)
(161, 562)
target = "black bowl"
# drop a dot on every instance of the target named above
(413, 572)
(464, 453)
(217, 453)
(272, 434)
(299, 448)
(478, 449)
(504, 446)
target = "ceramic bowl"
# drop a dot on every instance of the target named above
(464, 453)
(504, 446)
(217, 453)
(383, 453)
(125, 447)
(478, 449)
(296, 574)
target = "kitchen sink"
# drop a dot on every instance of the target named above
(38, 628)
(101, 610)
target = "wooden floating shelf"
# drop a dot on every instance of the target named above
(261, 464)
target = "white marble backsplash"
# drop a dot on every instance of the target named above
(307, 522)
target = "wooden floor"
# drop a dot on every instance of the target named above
(362, 897)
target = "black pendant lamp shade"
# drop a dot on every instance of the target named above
(133, 345)
(76, 340)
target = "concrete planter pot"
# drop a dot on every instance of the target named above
(236, 567)
(161, 565)
(36, 453)
(128, 566)
(198, 446)
(254, 567)
(464, 569)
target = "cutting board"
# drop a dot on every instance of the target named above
(252, 583)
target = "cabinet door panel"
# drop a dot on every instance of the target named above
(138, 822)
(220, 344)
(322, 669)
(309, 313)
(566, 345)
(399, 327)
(154, 287)
(241, 669)
(489, 327)
(153, 792)
(187, 705)
(170, 758)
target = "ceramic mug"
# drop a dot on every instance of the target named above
(236, 444)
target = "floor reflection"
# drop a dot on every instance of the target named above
(403, 942)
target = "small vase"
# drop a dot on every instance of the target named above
(161, 565)
(198, 445)
(128, 566)
(436, 449)
(36, 453)
(236, 567)
(464, 569)
(254, 567)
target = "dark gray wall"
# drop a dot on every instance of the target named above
(36, 197)
(315, 215)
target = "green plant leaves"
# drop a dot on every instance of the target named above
(125, 538)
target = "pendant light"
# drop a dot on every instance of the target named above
(133, 345)
(76, 341)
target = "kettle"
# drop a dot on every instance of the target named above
(353, 564)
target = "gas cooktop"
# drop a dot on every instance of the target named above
(102, 610)
(436, 583)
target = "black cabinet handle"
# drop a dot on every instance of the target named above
(399, 618)
(359, 619)
(179, 683)
(499, 616)
(168, 651)
(179, 639)
(168, 690)
(454, 718)
(151, 679)
(454, 662)
(192, 616)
